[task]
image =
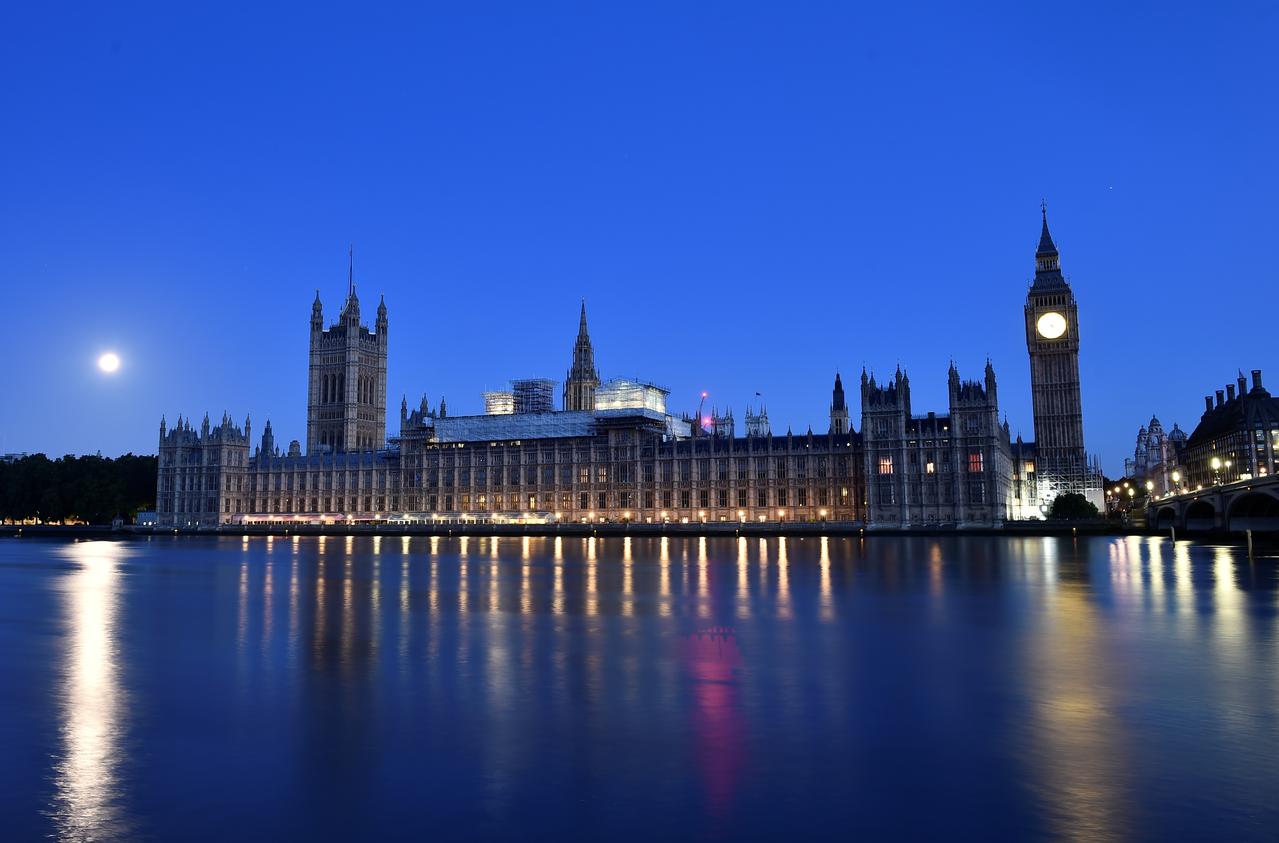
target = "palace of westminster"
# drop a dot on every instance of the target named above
(614, 453)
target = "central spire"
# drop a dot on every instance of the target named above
(350, 271)
(582, 380)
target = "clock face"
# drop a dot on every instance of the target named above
(1051, 325)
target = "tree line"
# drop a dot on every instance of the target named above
(95, 489)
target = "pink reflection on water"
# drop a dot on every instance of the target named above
(712, 660)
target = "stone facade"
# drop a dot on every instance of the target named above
(583, 379)
(613, 453)
(346, 389)
(1052, 341)
(952, 469)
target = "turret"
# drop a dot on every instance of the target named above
(838, 408)
(381, 320)
(990, 380)
(268, 440)
(317, 315)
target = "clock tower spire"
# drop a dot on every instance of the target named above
(1052, 340)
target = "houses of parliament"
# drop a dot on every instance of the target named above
(615, 452)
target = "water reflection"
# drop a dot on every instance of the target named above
(1052, 676)
(87, 803)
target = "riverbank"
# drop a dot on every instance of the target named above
(734, 529)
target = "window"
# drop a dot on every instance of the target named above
(685, 499)
(886, 464)
(975, 462)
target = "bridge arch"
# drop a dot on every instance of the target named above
(1166, 517)
(1255, 510)
(1201, 515)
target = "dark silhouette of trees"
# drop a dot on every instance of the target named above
(95, 489)
(1072, 506)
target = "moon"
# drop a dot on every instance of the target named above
(109, 362)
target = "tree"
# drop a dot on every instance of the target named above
(93, 488)
(1072, 506)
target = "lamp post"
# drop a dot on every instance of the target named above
(1215, 463)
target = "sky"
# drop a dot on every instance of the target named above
(750, 197)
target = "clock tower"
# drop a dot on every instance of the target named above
(1052, 339)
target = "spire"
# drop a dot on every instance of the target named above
(583, 378)
(1047, 265)
(1046, 245)
(350, 271)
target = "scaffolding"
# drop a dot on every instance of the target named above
(533, 395)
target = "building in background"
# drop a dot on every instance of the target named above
(1156, 458)
(1237, 437)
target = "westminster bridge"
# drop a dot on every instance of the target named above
(1235, 507)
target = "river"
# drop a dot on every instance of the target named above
(970, 688)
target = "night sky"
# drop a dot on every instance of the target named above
(748, 196)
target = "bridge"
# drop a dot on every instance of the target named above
(1233, 507)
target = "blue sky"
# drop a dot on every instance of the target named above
(749, 196)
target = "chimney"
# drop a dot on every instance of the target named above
(1230, 392)
(1220, 397)
(1256, 379)
(1207, 404)
(1243, 385)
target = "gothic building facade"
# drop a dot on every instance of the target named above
(1057, 457)
(935, 469)
(582, 379)
(614, 453)
(346, 387)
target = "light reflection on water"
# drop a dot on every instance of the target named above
(1090, 690)
(88, 802)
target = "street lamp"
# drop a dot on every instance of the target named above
(1215, 462)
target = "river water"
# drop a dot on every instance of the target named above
(962, 688)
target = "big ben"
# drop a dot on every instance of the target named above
(1052, 339)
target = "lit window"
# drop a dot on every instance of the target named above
(974, 461)
(886, 464)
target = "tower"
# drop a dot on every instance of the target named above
(346, 391)
(583, 379)
(838, 408)
(1052, 340)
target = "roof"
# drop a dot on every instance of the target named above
(1243, 412)
(556, 425)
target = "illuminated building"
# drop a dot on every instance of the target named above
(1237, 437)
(1052, 341)
(614, 453)
(922, 470)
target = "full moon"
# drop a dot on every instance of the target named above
(109, 362)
